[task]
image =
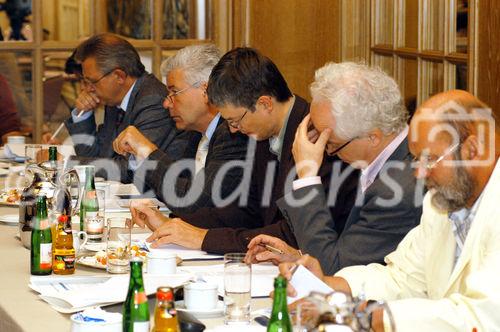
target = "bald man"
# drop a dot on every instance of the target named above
(444, 274)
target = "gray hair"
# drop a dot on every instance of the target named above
(196, 61)
(362, 98)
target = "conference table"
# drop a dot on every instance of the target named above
(22, 310)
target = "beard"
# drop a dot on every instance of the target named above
(455, 195)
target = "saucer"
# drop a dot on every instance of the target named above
(200, 313)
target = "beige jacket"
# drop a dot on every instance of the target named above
(425, 292)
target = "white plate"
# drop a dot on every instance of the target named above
(99, 246)
(10, 219)
(90, 261)
(210, 313)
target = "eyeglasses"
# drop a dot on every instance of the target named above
(236, 123)
(337, 150)
(172, 94)
(88, 82)
(423, 161)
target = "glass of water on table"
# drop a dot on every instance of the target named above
(237, 289)
(118, 237)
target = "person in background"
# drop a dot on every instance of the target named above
(252, 95)
(359, 115)
(113, 76)
(213, 145)
(11, 123)
(444, 274)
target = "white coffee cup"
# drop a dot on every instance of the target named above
(77, 242)
(200, 296)
(160, 262)
(16, 140)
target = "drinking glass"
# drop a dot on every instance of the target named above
(31, 153)
(118, 237)
(237, 289)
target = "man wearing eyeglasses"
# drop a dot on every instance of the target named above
(113, 76)
(444, 274)
(254, 98)
(211, 146)
(358, 114)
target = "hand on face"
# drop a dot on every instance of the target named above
(87, 101)
(308, 149)
(177, 231)
(257, 251)
(143, 214)
(132, 141)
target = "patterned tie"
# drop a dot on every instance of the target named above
(201, 153)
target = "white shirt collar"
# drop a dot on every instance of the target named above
(369, 174)
(212, 126)
(126, 99)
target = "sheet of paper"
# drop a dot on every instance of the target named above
(262, 277)
(182, 252)
(304, 282)
(71, 295)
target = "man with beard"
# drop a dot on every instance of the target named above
(444, 274)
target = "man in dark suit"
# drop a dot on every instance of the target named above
(359, 115)
(114, 76)
(252, 95)
(211, 147)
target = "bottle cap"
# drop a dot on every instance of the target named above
(164, 294)
(63, 218)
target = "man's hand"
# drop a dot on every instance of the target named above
(47, 139)
(257, 251)
(177, 231)
(143, 214)
(308, 149)
(309, 262)
(86, 101)
(132, 141)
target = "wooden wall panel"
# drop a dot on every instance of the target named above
(488, 75)
(298, 35)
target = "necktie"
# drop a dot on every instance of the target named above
(120, 114)
(201, 153)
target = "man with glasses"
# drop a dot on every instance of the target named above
(358, 114)
(252, 95)
(113, 76)
(444, 274)
(212, 145)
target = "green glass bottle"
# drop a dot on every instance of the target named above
(280, 320)
(53, 154)
(136, 308)
(89, 208)
(41, 240)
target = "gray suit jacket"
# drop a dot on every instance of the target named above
(371, 231)
(144, 111)
(223, 147)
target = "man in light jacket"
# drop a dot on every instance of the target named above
(444, 274)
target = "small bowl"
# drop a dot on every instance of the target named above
(80, 326)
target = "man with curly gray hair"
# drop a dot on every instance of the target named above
(358, 114)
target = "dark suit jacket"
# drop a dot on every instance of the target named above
(372, 231)
(232, 227)
(223, 147)
(144, 111)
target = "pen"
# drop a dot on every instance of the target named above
(272, 249)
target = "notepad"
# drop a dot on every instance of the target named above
(305, 282)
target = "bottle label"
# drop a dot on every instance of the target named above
(141, 326)
(94, 225)
(91, 194)
(45, 256)
(140, 297)
(44, 224)
(64, 262)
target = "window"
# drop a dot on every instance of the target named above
(38, 49)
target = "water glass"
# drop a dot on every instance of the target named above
(237, 289)
(31, 153)
(118, 237)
